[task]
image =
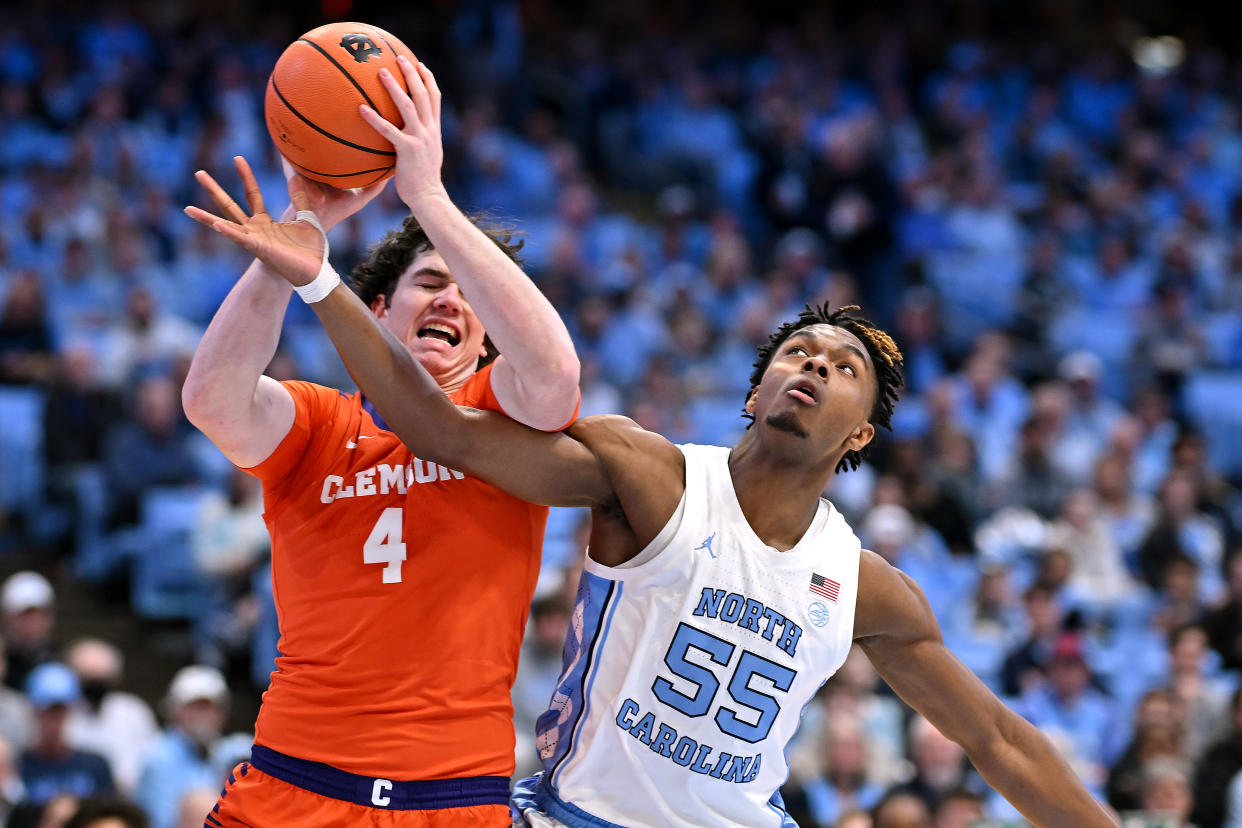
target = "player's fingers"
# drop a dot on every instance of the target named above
(433, 89)
(202, 216)
(236, 235)
(380, 124)
(418, 90)
(298, 195)
(287, 168)
(400, 98)
(254, 196)
(368, 193)
(228, 207)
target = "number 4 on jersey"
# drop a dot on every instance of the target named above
(384, 545)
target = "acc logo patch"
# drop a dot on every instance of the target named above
(818, 612)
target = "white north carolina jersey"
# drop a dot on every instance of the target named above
(687, 669)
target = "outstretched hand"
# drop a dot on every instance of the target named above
(294, 249)
(418, 141)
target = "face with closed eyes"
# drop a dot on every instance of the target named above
(428, 312)
(819, 389)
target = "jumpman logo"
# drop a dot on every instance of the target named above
(707, 544)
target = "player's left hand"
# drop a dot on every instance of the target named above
(419, 145)
(294, 249)
(331, 205)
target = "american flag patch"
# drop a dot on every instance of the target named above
(826, 587)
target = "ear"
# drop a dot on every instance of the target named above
(379, 305)
(861, 438)
(750, 401)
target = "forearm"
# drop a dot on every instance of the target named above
(518, 317)
(411, 402)
(238, 345)
(1025, 768)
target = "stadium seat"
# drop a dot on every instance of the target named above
(165, 583)
(21, 447)
(1211, 400)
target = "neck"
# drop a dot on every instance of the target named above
(451, 382)
(778, 492)
(51, 748)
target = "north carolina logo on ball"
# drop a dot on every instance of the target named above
(818, 612)
(360, 47)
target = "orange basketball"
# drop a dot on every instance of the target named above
(313, 97)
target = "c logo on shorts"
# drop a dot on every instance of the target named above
(377, 793)
(817, 611)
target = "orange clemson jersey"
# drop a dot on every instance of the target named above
(402, 589)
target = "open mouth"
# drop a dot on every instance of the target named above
(441, 332)
(804, 392)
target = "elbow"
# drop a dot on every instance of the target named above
(202, 403)
(562, 379)
(194, 399)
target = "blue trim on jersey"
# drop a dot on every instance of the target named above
(369, 407)
(611, 599)
(777, 803)
(531, 794)
(556, 725)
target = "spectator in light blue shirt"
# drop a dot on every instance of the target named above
(181, 759)
(1065, 701)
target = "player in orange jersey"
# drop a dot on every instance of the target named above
(402, 586)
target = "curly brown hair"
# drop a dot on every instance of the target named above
(377, 274)
(885, 356)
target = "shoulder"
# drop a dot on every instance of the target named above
(890, 602)
(476, 391)
(166, 747)
(304, 391)
(94, 761)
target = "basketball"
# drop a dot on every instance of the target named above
(313, 97)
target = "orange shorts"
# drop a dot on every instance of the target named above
(252, 799)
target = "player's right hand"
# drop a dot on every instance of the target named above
(331, 205)
(418, 142)
(294, 249)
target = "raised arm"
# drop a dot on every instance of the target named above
(536, 376)
(549, 468)
(225, 394)
(896, 629)
(542, 467)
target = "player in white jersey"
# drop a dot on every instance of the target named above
(720, 590)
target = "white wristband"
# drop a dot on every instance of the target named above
(327, 278)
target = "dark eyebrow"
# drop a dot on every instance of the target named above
(856, 352)
(431, 271)
(853, 349)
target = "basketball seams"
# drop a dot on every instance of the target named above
(323, 131)
(381, 170)
(341, 68)
(383, 173)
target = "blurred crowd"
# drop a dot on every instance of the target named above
(1045, 218)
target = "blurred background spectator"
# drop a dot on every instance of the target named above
(26, 601)
(51, 767)
(182, 758)
(110, 721)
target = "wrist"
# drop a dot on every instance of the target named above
(318, 288)
(429, 197)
